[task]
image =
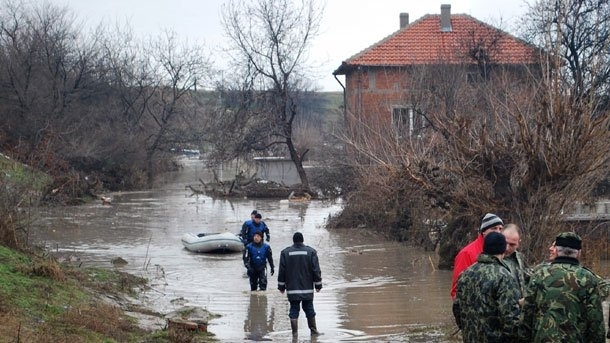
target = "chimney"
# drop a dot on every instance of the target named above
(445, 18)
(404, 20)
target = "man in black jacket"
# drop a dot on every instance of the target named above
(299, 274)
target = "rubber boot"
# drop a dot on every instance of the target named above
(294, 325)
(311, 322)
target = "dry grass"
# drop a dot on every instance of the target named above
(43, 268)
(181, 336)
(99, 317)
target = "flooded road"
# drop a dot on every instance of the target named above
(373, 290)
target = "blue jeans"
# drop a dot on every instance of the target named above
(307, 308)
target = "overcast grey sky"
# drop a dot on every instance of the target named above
(348, 26)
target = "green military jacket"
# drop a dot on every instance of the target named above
(563, 304)
(517, 266)
(488, 295)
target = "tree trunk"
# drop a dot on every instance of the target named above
(298, 163)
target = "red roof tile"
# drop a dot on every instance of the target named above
(423, 42)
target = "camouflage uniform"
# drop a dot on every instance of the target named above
(518, 268)
(603, 287)
(563, 304)
(487, 296)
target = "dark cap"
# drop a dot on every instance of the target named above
(254, 212)
(258, 215)
(568, 240)
(488, 221)
(297, 237)
(258, 233)
(494, 244)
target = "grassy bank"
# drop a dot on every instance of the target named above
(22, 176)
(43, 301)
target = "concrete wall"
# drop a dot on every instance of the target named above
(277, 169)
(599, 210)
(228, 170)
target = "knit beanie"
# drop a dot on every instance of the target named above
(297, 237)
(490, 220)
(494, 244)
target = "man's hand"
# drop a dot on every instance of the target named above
(268, 238)
(272, 271)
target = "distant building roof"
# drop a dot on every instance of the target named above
(425, 41)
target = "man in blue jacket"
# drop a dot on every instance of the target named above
(256, 255)
(250, 227)
(298, 275)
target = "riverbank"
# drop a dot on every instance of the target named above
(46, 301)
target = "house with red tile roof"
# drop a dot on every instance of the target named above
(380, 78)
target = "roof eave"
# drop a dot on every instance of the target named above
(344, 68)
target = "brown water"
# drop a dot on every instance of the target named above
(374, 290)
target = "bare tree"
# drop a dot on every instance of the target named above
(156, 88)
(270, 40)
(46, 67)
(178, 70)
(578, 34)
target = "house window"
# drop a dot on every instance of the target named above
(406, 122)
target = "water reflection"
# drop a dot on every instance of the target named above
(258, 323)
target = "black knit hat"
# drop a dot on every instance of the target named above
(494, 244)
(568, 240)
(258, 233)
(254, 212)
(297, 237)
(488, 221)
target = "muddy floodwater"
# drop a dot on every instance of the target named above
(373, 290)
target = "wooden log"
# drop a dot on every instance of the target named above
(186, 325)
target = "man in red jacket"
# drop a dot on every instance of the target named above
(468, 255)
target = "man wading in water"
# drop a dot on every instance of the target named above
(299, 274)
(255, 259)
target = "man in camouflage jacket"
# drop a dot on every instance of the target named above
(513, 258)
(563, 301)
(488, 296)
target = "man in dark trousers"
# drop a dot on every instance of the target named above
(299, 274)
(256, 255)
